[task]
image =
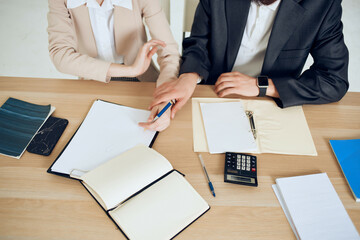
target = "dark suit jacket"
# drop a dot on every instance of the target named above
(301, 27)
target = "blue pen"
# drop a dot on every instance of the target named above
(163, 110)
(207, 176)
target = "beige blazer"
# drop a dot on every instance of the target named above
(73, 49)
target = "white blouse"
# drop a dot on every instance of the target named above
(256, 36)
(102, 23)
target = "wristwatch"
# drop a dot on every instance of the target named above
(262, 83)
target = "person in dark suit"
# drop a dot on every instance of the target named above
(259, 48)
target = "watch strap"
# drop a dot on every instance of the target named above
(262, 91)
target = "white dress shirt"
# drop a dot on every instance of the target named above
(256, 36)
(102, 23)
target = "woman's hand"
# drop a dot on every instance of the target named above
(143, 59)
(161, 123)
(141, 64)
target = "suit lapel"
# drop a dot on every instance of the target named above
(86, 34)
(289, 16)
(236, 13)
(124, 30)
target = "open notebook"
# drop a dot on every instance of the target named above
(144, 195)
(281, 131)
(108, 130)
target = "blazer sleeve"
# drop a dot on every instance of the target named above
(195, 54)
(168, 57)
(63, 46)
(327, 79)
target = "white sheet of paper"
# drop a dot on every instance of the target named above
(108, 130)
(314, 209)
(227, 127)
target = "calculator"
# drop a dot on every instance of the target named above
(240, 169)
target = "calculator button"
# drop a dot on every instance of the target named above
(253, 169)
(248, 157)
(247, 169)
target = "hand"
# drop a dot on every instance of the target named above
(236, 83)
(241, 84)
(161, 123)
(143, 59)
(180, 90)
(141, 64)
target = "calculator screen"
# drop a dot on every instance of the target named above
(240, 179)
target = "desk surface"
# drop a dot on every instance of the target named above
(38, 205)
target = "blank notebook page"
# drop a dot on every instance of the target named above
(124, 175)
(315, 208)
(161, 211)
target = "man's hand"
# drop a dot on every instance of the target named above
(179, 90)
(241, 84)
(161, 123)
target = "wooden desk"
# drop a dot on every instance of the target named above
(38, 205)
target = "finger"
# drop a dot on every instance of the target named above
(222, 79)
(178, 105)
(159, 125)
(224, 85)
(153, 113)
(147, 47)
(152, 52)
(152, 44)
(158, 42)
(226, 92)
(162, 98)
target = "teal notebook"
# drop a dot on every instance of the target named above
(19, 122)
(347, 153)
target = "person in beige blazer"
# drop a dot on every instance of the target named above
(73, 46)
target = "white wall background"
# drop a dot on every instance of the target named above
(23, 42)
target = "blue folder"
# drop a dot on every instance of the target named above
(347, 153)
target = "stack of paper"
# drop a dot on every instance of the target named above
(313, 208)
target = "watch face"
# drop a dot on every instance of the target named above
(263, 81)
